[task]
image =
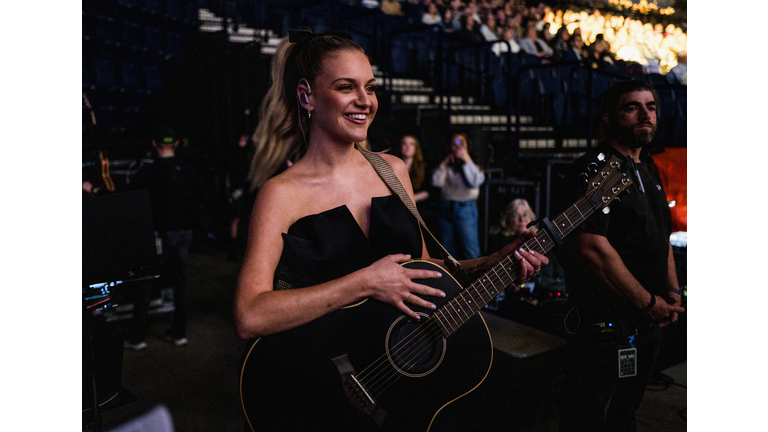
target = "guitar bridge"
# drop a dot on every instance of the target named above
(357, 394)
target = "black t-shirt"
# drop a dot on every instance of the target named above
(638, 226)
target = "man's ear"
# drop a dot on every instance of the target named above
(607, 119)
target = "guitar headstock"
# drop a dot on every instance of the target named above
(607, 182)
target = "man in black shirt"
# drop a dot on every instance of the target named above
(620, 275)
(174, 189)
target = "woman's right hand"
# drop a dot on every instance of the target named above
(392, 283)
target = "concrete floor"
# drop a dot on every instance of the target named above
(199, 382)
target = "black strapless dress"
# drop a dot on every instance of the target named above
(326, 246)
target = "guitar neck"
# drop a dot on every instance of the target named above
(472, 299)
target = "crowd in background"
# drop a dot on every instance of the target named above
(551, 33)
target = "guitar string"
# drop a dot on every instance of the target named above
(425, 332)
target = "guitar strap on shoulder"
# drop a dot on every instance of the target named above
(390, 178)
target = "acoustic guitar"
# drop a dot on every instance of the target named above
(368, 367)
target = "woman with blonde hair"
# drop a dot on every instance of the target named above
(327, 232)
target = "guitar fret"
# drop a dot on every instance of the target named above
(450, 314)
(443, 329)
(580, 213)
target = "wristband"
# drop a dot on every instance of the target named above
(651, 304)
(675, 290)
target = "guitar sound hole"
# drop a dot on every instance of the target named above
(415, 348)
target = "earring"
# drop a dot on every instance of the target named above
(309, 114)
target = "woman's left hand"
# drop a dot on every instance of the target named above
(530, 261)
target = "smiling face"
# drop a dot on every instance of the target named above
(343, 100)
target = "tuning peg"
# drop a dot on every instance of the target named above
(583, 177)
(592, 167)
(601, 157)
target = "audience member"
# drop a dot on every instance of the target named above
(432, 15)
(561, 43)
(488, 28)
(599, 57)
(575, 53)
(459, 177)
(547, 35)
(508, 34)
(532, 45)
(468, 33)
(512, 224)
(409, 150)
(679, 73)
(391, 7)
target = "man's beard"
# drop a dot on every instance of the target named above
(633, 138)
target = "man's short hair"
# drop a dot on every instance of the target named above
(611, 96)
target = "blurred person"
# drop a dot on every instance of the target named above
(409, 150)
(620, 274)
(507, 34)
(513, 222)
(432, 15)
(576, 51)
(560, 43)
(175, 193)
(679, 73)
(391, 7)
(469, 32)
(599, 57)
(534, 46)
(546, 35)
(488, 28)
(459, 177)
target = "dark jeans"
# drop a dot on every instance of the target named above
(595, 398)
(175, 272)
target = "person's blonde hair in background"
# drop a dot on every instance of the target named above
(516, 217)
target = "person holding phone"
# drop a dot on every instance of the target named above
(459, 177)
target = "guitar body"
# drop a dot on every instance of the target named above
(291, 382)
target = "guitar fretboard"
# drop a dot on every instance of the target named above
(472, 299)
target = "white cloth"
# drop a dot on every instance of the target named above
(501, 47)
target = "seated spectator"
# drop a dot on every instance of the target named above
(391, 7)
(488, 29)
(432, 15)
(532, 45)
(679, 73)
(575, 52)
(599, 57)
(448, 20)
(560, 43)
(507, 34)
(468, 33)
(547, 36)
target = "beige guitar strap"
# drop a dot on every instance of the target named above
(390, 178)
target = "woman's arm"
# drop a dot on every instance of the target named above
(259, 310)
